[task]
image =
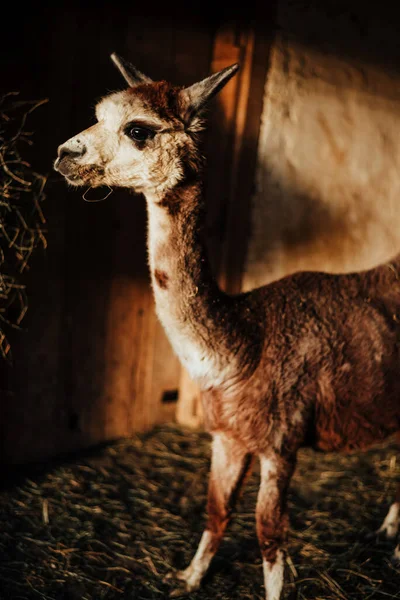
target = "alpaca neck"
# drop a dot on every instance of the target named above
(200, 319)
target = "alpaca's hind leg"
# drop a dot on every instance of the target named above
(391, 523)
(393, 526)
(390, 526)
(272, 519)
(230, 464)
(396, 556)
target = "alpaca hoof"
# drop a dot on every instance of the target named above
(376, 536)
(182, 584)
(180, 590)
(383, 534)
(390, 527)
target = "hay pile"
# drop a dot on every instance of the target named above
(21, 217)
(111, 524)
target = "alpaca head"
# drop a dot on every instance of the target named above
(145, 136)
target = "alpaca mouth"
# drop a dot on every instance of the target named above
(68, 169)
(78, 174)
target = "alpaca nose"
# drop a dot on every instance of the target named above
(69, 153)
(74, 151)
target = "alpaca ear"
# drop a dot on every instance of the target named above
(198, 94)
(131, 74)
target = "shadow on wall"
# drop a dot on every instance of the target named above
(298, 232)
(352, 30)
(327, 182)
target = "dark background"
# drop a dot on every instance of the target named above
(56, 388)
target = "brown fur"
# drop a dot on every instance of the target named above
(225, 488)
(310, 341)
(162, 98)
(330, 347)
(318, 361)
(162, 278)
(222, 321)
(312, 359)
(271, 513)
(324, 346)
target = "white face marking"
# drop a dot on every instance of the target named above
(273, 577)
(390, 525)
(113, 159)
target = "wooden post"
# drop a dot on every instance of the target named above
(232, 151)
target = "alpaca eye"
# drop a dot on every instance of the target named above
(139, 134)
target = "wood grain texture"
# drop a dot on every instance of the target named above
(231, 150)
(94, 363)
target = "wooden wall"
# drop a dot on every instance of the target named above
(328, 185)
(92, 362)
(232, 151)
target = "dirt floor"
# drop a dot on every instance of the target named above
(112, 523)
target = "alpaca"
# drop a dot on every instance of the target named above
(312, 359)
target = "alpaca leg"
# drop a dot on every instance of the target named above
(396, 556)
(230, 463)
(272, 520)
(390, 526)
(391, 523)
(392, 529)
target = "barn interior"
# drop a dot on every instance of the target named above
(102, 444)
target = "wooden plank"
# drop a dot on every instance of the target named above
(95, 363)
(256, 45)
(232, 151)
(189, 411)
(219, 143)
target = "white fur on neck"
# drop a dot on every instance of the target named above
(208, 368)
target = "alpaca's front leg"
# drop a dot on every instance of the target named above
(395, 525)
(396, 556)
(230, 463)
(272, 520)
(390, 528)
